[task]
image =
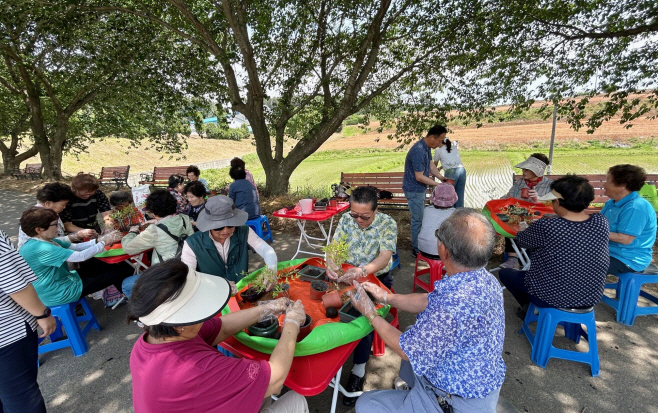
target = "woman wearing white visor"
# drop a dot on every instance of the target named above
(175, 366)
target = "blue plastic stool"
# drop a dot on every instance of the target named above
(224, 351)
(257, 225)
(628, 292)
(76, 337)
(396, 260)
(572, 320)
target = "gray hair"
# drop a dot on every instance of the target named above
(469, 238)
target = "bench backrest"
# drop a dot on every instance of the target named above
(598, 182)
(161, 174)
(112, 172)
(385, 181)
(389, 181)
(33, 168)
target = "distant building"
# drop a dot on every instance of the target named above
(234, 122)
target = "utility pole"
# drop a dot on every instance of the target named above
(550, 153)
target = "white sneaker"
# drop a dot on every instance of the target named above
(400, 384)
(512, 262)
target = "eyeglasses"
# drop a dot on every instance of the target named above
(436, 234)
(54, 224)
(222, 228)
(361, 217)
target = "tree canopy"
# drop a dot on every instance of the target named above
(82, 74)
(297, 69)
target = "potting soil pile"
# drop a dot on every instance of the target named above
(326, 333)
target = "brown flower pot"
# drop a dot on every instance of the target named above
(332, 299)
(305, 329)
(318, 289)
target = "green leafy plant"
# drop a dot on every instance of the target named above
(337, 251)
(123, 217)
(264, 279)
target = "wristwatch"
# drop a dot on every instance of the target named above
(45, 314)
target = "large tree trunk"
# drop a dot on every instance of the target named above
(11, 160)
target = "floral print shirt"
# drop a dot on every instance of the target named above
(457, 341)
(183, 203)
(366, 244)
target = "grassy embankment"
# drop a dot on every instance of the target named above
(316, 174)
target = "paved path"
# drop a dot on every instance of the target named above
(12, 205)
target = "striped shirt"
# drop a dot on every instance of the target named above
(83, 212)
(15, 275)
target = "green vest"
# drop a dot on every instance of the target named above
(209, 261)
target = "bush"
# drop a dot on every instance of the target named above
(215, 132)
(356, 120)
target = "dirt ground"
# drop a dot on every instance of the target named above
(517, 132)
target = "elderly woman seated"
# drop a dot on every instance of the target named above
(632, 220)
(568, 254)
(176, 187)
(529, 187)
(221, 247)
(443, 199)
(55, 196)
(49, 258)
(163, 235)
(175, 364)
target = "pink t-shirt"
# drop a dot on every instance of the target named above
(192, 376)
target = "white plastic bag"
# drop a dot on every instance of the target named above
(140, 193)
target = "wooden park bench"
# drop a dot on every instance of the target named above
(598, 182)
(161, 174)
(31, 170)
(114, 175)
(383, 181)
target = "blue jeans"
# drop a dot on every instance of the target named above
(416, 202)
(459, 176)
(618, 267)
(128, 283)
(421, 398)
(19, 391)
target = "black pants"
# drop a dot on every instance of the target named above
(513, 280)
(362, 350)
(19, 391)
(97, 275)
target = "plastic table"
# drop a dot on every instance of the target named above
(309, 375)
(317, 216)
(138, 262)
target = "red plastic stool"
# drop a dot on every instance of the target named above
(378, 345)
(435, 271)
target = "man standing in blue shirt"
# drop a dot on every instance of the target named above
(632, 220)
(452, 355)
(417, 168)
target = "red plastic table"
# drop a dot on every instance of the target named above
(309, 375)
(137, 261)
(317, 216)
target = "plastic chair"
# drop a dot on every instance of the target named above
(396, 260)
(572, 320)
(76, 336)
(378, 345)
(435, 271)
(257, 225)
(628, 292)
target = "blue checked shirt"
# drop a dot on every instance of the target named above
(457, 341)
(366, 244)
